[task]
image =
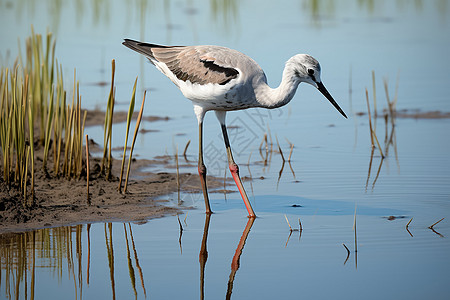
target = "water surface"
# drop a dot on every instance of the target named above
(331, 172)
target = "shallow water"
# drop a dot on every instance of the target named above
(152, 260)
(330, 174)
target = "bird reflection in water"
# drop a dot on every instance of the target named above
(235, 263)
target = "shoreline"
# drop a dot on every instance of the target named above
(60, 201)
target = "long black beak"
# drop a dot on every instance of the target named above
(327, 95)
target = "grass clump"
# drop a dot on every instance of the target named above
(36, 118)
(34, 115)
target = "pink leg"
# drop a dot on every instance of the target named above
(235, 173)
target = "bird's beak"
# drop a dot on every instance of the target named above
(327, 95)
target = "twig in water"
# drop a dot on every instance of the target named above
(287, 241)
(185, 217)
(370, 167)
(300, 224)
(374, 94)
(290, 228)
(279, 149)
(406, 227)
(290, 152)
(431, 227)
(185, 150)
(391, 105)
(373, 135)
(348, 253)
(378, 173)
(288, 222)
(354, 228)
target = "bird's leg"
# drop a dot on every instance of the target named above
(202, 168)
(235, 173)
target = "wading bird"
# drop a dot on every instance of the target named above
(221, 79)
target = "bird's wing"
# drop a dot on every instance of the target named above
(198, 64)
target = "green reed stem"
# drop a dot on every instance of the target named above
(129, 116)
(136, 129)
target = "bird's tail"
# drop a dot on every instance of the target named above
(143, 48)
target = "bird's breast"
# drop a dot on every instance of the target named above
(232, 96)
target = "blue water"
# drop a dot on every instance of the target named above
(404, 42)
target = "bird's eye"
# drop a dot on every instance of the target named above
(311, 72)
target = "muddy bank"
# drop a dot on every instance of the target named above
(59, 201)
(63, 202)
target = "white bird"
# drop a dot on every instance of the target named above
(221, 79)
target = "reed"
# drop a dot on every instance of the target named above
(136, 130)
(279, 149)
(407, 225)
(293, 229)
(185, 150)
(290, 152)
(129, 116)
(348, 253)
(374, 89)
(107, 134)
(373, 135)
(431, 226)
(33, 111)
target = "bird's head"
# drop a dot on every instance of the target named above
(307, 69)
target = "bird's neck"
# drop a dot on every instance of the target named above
(282, 95)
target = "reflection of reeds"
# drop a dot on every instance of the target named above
(354, 229)
(57, 249)
(110, 253)
(289, 158)
(136, 259)
(181, 234)
(130, 263)
(88, 230)
(87, 170)
(389, 117)
(282, 163)
(20, 253)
